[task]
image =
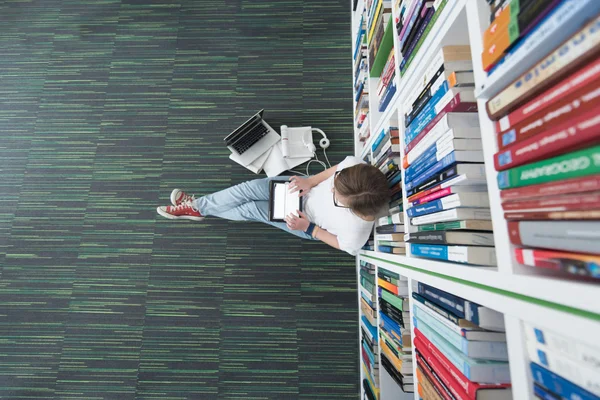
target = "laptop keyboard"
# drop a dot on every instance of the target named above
(250, 139)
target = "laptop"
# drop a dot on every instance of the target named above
(252, 139)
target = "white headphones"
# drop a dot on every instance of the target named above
(324, 142)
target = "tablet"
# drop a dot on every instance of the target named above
(281, 202)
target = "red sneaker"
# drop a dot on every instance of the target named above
(178, 196)
(182, 211)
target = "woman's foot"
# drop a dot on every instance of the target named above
(185, 210)
(178, 196)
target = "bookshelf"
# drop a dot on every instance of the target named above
(568, 307)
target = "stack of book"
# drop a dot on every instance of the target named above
(460, 348)
(387, 85)
(562, 368)
(549, 156)
(386, 156)
(368, 328)
(394, 328)
(443, 165)
(381, 14)
(361, 81)
(370, 245)
(415, 20)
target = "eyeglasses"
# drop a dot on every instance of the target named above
(335, 202)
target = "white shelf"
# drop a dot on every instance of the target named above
(561, 304)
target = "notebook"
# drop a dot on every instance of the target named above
(281, 202)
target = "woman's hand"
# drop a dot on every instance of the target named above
(297, 223)
(300, 184)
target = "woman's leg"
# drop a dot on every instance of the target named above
(257, 211)
(227, 199)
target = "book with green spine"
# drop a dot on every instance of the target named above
(394, 300)
(434, 19)
(367, 276)
(571, 165)
(370, 287)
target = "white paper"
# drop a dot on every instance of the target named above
(257, 165)
(276, 164)
(284, 202)
(292, 144)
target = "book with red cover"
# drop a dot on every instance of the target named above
(565, 202)
(569, 107)
(553, 215)
(471, 388)
(576, 185)
(576, 81)
(570, 135)
(434, 379)
(583, 265)
(443, 373)
(455, 105)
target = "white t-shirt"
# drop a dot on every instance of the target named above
(352, 232)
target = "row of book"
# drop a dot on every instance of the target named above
(389, 230)
(387, 84)
(460, 347)
(414, 20)
(548, 159)
(361, 79)
(395, 328)
(444, 170)
(368, 328)
(380, 14)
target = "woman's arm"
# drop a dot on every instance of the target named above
(305, 184)
(321, 176)
(328, 238)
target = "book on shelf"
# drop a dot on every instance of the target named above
(426, 388)
(462, 150)
(466, 199)
(455, 175)
(457, 104)
(391, 243)
(562, 22)
(559, 385)
(480, 371)
(470, 225)
(574, 236)
(574, 52)
(391, 249)
(490, 350)
(460, 386)
(422, 35)
(453, 318)
(477, 314)
(450, 127)
(448, 191)
(447, 59)
(396, 218)
(451, 238)
(388, 229)
(400, 289)
(564, 89)
(454, 214)
(410, 44)
(399, 303)
(475, 255)
(403, 382)
(449, 166)
(587, 356)
(388, 95)
(572, 165)
(368, 391)
(563, 111)
(586, 378)
(562, 202)
(393, 237)
(431, 383)
(576, 264)
(370, 330)
(511, 24)
(577, 131)
(575, 185)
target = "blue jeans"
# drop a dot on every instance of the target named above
(248, 201)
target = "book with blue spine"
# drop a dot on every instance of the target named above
(389, 325)
(359, 91)
(435, 168)
(468, 199)
(558, 384)
(378, 140)
(370, 353)
(372, 331)
(489, 350)
(387, 97)
(418, 123)
(480, 371)
(477, 255)
(477, 314)
(405, 34)
(396, 179)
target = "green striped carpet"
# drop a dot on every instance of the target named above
(107, 105)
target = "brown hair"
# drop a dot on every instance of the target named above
(365, 188)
